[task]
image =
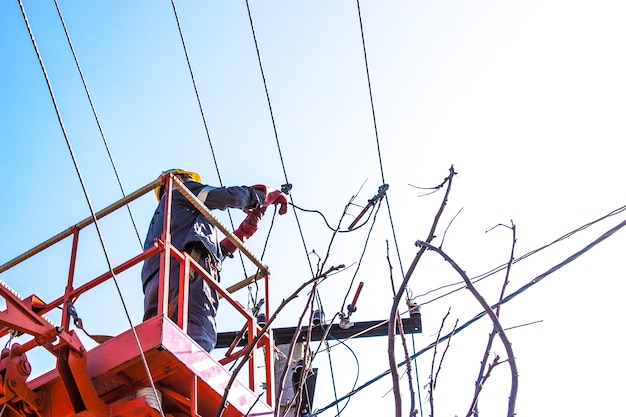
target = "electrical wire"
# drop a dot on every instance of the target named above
(95, 114)
(280, 154)
(195, 89)
(358, 369)
(267, 93)
(369, 87)
(380, 159)
(382, 174)
(278, 142)
(287, 183)
(86, 194)
(369, 234)
(204, 120)
(333, 229)
(474, 319)
(501, 267)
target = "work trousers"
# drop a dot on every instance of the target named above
(202, 307)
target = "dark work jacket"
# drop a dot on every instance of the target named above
(189, 226)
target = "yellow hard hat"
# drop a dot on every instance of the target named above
(193, 175)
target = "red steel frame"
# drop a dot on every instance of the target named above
(25, 315)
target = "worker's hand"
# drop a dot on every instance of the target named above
(246, 229)
(273, 197)
(251, 223)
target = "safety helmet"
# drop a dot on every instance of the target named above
(193, 175)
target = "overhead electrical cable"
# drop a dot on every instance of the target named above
(287, 186)
(369, 234)
(480, 315)
(95, 114)
(369, 87)
(267, 93)
(380, 160)
(195, 88)
(501, 267)
(382, 173)
(87, 198)
(204, 120)
(280, 154)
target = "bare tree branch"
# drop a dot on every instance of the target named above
(494, 319)
(292, 344)
(394, 371)
(480, 315)
(480, 384)
(480, 380)
(456, 323)
(431, 382)
(393, 315)
(250, 348)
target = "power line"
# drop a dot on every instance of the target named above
(382, 174)
(280, 155)
(474, 319)
(87, 198)
(369, 87)
(195, 88)
(501, 267)
(95, 114)
(287, 184)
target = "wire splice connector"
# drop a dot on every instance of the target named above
(344, 319)
(381, 193)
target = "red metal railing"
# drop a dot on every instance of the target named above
(26, 315)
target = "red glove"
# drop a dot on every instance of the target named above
(246, 229)
(274, 197)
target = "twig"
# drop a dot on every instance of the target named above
(292, 344)
(443, 238)
(249, 349)
(480, 386)
(456, 323)
(480, 380)
(394, 371)
(431, 382)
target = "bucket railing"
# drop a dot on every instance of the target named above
(34, 309)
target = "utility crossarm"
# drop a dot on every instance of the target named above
(284, 335)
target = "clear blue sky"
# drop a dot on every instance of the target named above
(525, 99)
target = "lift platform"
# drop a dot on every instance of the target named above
(186, 375)
(156, 354)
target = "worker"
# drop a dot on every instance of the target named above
(193, 233)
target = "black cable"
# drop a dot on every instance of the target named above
(280, 154)
(504, 300)
(382, 174)
(369, 86)
(358, 370)
(95, 114)
(369, 234)
(204, 120)
(336, 230)
(87, 198)
(195, 88)
(267, 93)
(501, 267)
